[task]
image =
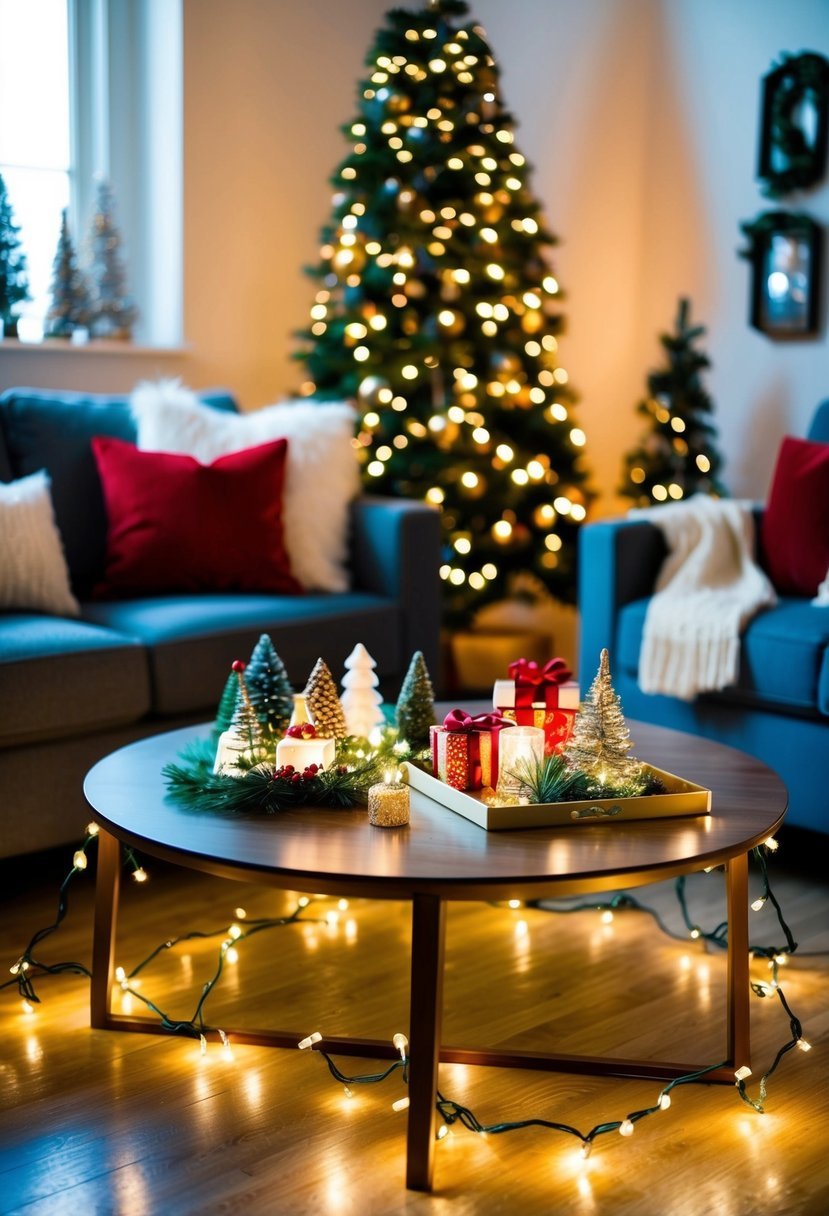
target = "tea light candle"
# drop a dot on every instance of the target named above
(388, 803)
(518, 747)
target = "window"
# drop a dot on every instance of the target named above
(91, 87)
(34, 134)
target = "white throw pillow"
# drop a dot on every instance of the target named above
(321, 477)
(33, 572)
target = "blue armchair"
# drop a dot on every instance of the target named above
(777, 711)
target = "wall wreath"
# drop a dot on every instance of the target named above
(793, 135)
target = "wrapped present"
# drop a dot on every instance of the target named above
(540, 695)
(465, 749)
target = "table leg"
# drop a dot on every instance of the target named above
(738, 987)
(107, 887)
(425, 1012)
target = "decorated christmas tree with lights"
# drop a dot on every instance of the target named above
(437, 311)
(676, 457)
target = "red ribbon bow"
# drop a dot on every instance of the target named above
(527, 671)
(458, 720)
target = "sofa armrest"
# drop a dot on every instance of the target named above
(395, 552)
(619, 561)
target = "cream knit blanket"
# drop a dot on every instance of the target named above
(707, 590)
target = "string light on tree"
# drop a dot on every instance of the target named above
(438, 311)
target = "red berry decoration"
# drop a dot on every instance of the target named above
(237, 665)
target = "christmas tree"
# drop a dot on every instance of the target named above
(14, 282)
(324, 704)
(600, 742)
(243, 743)
(361, 702)
(69, 308)
(112, 313)
(227, 705)
(416, 703)
(270, 689)
(677, 456)
(437, 310)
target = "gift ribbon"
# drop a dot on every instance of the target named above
(530, 680)
(458, 720)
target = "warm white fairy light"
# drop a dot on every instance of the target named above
(79, 860)
(742, 1073)
(140, 875)
(402, 1044)
(664, 1101)
(757, 904)
(626, 1128)
(309, 1040)
(400, 1104)
(92, 829)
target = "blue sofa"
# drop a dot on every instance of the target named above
(72, 690)
(777, 711)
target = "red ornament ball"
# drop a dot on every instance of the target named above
(237, 665)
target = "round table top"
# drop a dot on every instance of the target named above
(440, 852)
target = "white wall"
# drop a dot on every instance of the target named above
(641, 117)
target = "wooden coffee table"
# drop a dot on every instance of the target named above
(441, 856)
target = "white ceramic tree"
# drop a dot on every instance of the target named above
(360, 701)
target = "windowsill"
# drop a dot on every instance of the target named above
(95, 346)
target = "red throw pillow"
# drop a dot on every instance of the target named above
(175, 525)
(795, 531)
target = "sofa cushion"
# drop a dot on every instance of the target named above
(176, 525)
(795, 530)
(52, 430)
(33, 573)
(193, 639)
(62, 678)
(322, 476)
(784, 662)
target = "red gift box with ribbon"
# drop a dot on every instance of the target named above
(465, 749)
(540, 695)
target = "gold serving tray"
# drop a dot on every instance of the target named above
(682, 798)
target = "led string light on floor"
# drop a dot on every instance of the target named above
(241, 929)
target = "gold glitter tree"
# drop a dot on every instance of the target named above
(601, 742)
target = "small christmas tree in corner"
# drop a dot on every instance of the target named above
(601, 741)
(14, 282)
(416, 703)
(676, 457)
(69, 309)
(112, 313)
(271, 693)
(324, 703)
(361, 701)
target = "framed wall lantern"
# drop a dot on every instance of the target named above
(794, 124)
(785, 256)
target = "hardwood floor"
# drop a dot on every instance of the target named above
(102, 1122)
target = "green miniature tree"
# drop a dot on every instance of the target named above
(676, 457)
(112, 313)
(227, 705)
(416, 703)
(324, 703)
(14, 281)
(600, 743)
(270, 689)
(69, 308)
(438, 310)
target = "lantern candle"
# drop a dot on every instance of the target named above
(521, 747)
(388, 803)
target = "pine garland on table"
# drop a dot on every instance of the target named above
(266, 789)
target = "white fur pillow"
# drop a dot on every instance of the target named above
(321, 475)
(33, 572)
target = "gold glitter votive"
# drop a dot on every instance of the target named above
(388, 804)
